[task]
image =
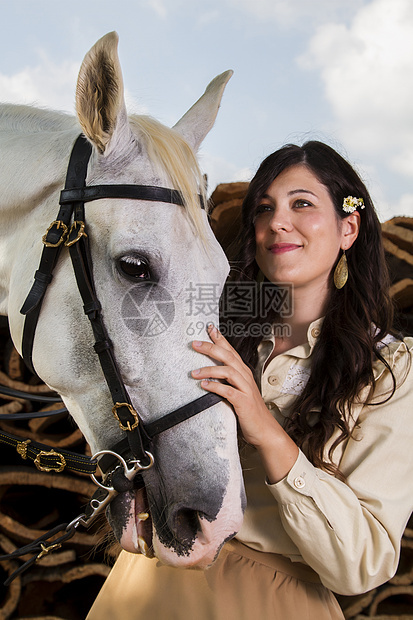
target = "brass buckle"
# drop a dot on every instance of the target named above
(57, 468)
(58, 224)
(79, 234)
(133, 413)
(45, 550)
(21, 448)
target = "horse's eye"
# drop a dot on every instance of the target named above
(134, 268)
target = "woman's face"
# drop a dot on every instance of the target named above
(298, 234)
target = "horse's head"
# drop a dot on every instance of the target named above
(158, 272)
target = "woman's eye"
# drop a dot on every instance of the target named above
(302, 203)
(264, 208)
(134, 268)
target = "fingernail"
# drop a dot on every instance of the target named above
(196, 372)
(204, 382)
(197, 343)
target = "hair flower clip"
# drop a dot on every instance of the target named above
(350, 204)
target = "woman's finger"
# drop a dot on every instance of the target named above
(230, 393)
(220, 340)
(219, 349)
(223, 355)
(226, 373)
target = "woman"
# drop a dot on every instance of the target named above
(323, 404)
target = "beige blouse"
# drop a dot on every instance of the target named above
(349, 533)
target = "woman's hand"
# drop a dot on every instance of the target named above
(259, 428)
(242, 391)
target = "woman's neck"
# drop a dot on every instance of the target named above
(307, 307)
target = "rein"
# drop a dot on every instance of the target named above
(119, 470)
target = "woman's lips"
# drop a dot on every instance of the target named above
(281, 248)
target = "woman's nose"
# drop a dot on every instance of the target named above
(281, 220)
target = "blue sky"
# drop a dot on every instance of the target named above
(336, 70)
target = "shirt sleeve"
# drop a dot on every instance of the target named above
(350, 532)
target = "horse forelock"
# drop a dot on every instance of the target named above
(171, 154)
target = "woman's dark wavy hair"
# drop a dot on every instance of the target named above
(348, 343)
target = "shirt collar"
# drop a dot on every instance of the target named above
(302, 350)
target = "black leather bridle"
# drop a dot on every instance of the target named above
(68, 230)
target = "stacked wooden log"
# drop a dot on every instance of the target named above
(61, 585)
(225, 213)
(398, 244)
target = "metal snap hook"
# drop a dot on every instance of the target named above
(151, 461)
(128, 473)
(118, 456)
(76, 522)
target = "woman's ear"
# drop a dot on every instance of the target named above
(350, 230)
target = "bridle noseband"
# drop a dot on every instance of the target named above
(69, 230)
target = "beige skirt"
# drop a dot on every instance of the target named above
(242, 584)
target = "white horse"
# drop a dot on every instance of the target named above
(151, 260)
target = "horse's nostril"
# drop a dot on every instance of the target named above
(185, 524)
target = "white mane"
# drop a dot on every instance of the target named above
(28, 119)
(172, 154)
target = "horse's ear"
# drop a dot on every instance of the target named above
(199, 119)
(100, 102)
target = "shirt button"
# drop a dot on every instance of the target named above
(299, 482)
(315, 332)
(272, 380)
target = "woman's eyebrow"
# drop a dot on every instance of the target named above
(301, 191)
(290, 193)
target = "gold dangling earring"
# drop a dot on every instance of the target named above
(341, 272)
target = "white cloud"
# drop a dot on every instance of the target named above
(133, 106)
(287, 13)
(208, 18)
(47, 84)
(297, 13)
(367, 73)
(402, 162)
(50, 85)
(159, 7)
(404, 206)
(219, 170)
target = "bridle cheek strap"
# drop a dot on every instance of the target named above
(53, 242)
